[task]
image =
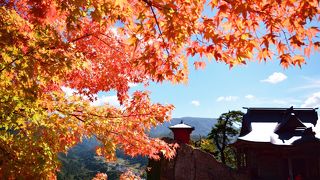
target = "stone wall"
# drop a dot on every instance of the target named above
(191, 163)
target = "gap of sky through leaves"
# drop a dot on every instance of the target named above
(217, 89)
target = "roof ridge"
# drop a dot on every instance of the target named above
(289, 122)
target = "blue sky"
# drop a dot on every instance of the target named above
(217, 89)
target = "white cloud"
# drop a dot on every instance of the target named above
(227, 98)
(195, 103)
(312, 101)
(249, 96)
(68, 91)
(112, 100)
(275, 78)
(132, 84)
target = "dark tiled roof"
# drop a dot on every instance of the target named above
(289, 123)
(306, 115)
(277, 115)
(280, 126)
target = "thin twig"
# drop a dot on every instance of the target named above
(111, 37)
(8, 65)
(82, 37)
(157, 23)
(109, 45)
(285, 36)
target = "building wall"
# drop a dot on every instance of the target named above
(276, 164)
(191, 163)
(271, 167)
(182, 135)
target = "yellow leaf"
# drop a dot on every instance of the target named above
(120, 3)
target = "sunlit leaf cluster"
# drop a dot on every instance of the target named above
(92, 46)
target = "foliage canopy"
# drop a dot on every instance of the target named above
(94, 45)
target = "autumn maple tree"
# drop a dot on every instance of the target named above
(92, 46)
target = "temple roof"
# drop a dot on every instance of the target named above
(264, 132)
(181, 125)
(306, 115)
(289, 123)
(280, 126)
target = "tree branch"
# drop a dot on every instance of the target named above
(82, 37)
(104, 42)
(5, 67)
(287, 42)
(149, 3)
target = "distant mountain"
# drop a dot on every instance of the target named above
(202, 126)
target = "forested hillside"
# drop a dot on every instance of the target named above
(81, 162)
